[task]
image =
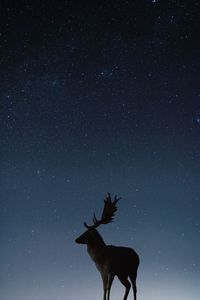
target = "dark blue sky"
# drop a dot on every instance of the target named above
(99, 97)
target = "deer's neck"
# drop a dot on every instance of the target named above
(97, 252)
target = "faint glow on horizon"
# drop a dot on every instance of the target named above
(92, 289)
(79, 290)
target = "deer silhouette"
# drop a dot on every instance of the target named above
(110, 260)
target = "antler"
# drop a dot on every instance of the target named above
(109, 210)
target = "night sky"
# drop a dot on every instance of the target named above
(97, 97)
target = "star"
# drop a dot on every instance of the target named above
(198, 120)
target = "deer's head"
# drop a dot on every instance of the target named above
(91, 235)
(88, 237)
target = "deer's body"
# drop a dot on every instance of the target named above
(115, 260)
(111, 261)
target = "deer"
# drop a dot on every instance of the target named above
(110, 260)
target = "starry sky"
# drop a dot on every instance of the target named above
(99, 96)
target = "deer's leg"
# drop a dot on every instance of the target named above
(109, 284)
(133, 281)
(126, 283)
(104, 279)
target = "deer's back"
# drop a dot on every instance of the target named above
(121, 260)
